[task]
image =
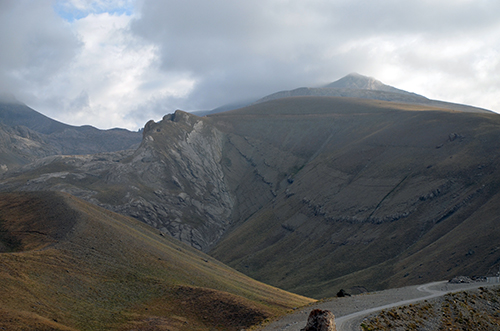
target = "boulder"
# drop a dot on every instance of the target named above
(320, 320)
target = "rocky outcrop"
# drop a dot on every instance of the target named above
(179, 162)
(320, 320)
(174, 181)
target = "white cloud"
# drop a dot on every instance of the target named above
(111, 75)
(35, 45)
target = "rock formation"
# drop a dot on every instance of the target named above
(320, 320)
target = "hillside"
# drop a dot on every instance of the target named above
(174, 181)
(70, 265)
(19, 146)
(364, 193)
(468, 310)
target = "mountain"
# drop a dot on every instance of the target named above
(223, 108)
(19, 145)
(70, 265)
(358, 86)
(174, 181)
(27, 135)
(308, 193)
(359, 82)
(364, 193)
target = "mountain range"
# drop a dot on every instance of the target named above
(356, 185)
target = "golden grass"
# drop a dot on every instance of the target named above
(103, 271)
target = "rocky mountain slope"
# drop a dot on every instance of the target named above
(378, 195)
(174, 181)
(311, 194)
(70, 265)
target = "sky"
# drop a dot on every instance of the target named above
(120, 63)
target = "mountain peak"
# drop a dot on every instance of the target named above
(360, 82)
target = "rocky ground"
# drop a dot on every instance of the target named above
(469, 310)
(400, 309)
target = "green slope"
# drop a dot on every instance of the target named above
(69, 265)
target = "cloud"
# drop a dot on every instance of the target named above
(235, 49)
(35, 45)
(118, 73)
(72, 10)
(122, 62)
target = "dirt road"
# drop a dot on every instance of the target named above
(350, 311)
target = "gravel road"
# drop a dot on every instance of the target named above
(350, 311)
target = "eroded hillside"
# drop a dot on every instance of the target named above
(385, 195)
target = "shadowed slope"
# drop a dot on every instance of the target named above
(73, 265)
(379, 194)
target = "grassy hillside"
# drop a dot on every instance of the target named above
(363, 193)
(69, 265)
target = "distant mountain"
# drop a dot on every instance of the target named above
(353, 85)
(358, 86)
(70, 265)
(227, 107)
(20, 145)
(18, 114)
(27, 135)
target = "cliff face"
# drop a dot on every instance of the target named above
(183, 190)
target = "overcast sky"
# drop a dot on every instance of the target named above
(119, 63)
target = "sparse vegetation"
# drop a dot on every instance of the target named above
(81, 267)
(468, 310)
